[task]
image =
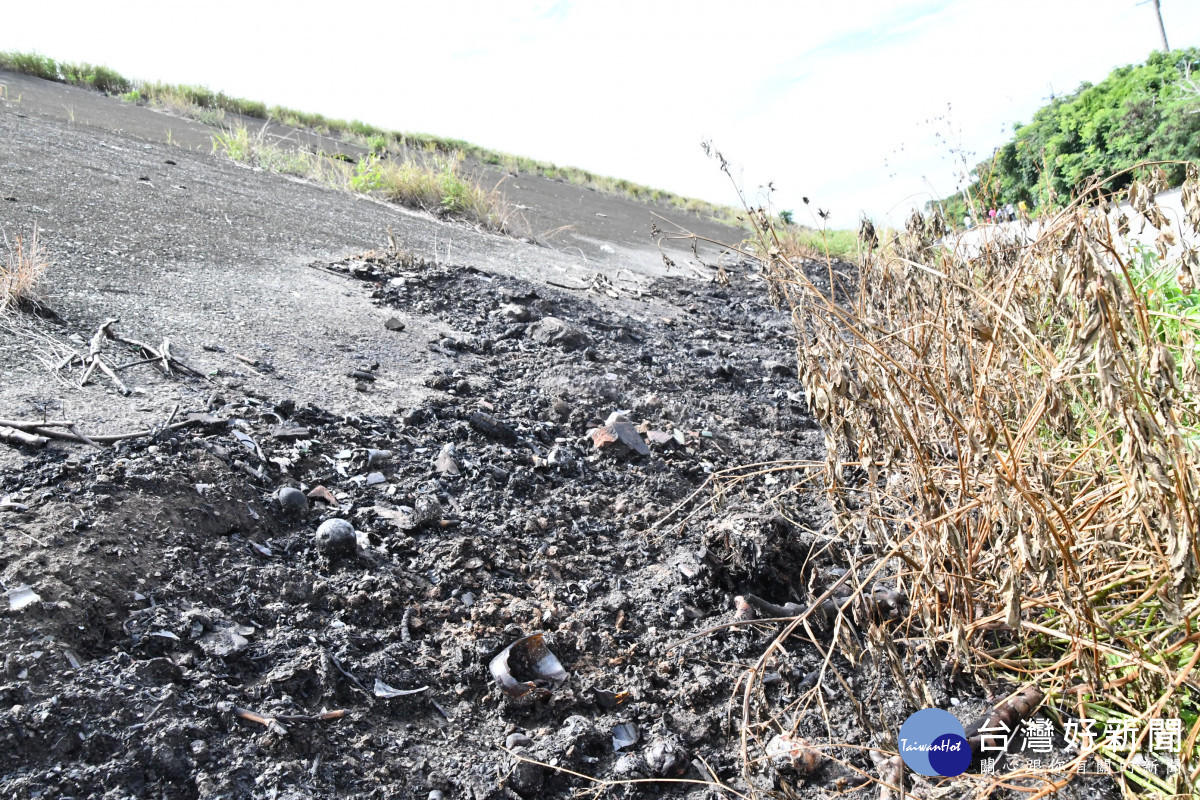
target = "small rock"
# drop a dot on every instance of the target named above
(517, 740)
(292, 502)
(793, 755)
(552, 330)
(393, 324)
(527, 778)
(562, 458)
(659, 438)
(416, 416)
(375, 478)
(336, 539)
(514, 313)
(445, 464)
(631, 766)
(436, 794)
(426, 510)
(323, 495)
(199, 750)
(724, 370)
(223, 643)
(666, 759)
(620, 438)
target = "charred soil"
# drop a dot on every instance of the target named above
(518, 443)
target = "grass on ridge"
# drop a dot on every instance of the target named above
(432, 181)
(1022, 428)
(210, 107)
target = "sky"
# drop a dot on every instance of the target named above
(863, 106)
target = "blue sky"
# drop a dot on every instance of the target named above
(842, 102)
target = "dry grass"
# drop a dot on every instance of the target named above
(1014, 434)
(25, 261)
(433, 181)
(1018, 428)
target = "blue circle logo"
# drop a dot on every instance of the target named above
(933, 742)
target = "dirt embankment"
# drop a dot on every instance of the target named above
(523, 440)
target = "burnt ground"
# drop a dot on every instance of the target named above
(194, 636)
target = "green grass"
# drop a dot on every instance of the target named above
(820, 243)
(210, 108)
(89, 76)
(432, 181)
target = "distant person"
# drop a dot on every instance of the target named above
(992, 215)
(968, 223)
(1010, 212)
(1023, 210)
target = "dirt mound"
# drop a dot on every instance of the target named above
(516, 443)
(174, 588)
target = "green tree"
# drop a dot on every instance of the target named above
(1143, 112)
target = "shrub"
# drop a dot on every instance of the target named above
(1016, 432)
(25, 261)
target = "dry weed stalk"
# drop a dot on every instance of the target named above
(25, 262)
(1024, 431)
(1016, 430)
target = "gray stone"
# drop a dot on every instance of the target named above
(515, 313)
(620, 438)
(517, 740)
(292, 502)
(527, 778)
(552, 330)
(665, 759)
(336, 539)
(223, 643)
(445, 464)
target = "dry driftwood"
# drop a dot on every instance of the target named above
(162, 353)
(19, 437)
(272, 721)
(50, 430)
(92, 361)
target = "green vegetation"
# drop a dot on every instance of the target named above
(819, 243)
(210, 108)
(432, 181)
(89, 76)
(1146, 112)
